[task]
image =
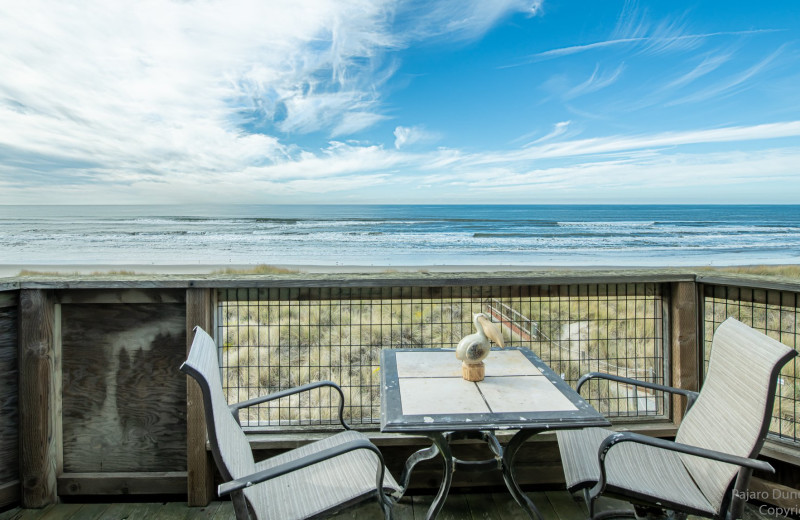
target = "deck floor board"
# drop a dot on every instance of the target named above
(554, 505)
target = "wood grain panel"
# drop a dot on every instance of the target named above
(9, 394)
(685, 348)
(135, 483)
(38, 422)
(123, 396)
(200, 482)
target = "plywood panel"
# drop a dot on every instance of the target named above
(9, 394)
(123, 396)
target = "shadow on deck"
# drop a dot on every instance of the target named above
(554, 505)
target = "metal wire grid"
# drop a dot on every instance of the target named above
(774, 313)
(273, 339)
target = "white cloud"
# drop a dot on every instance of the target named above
(621, 143)
(408, 135)
(597, 81)
(708, 65)
(556, 170)
(98, 92)
(167, 101)
(729, 84)
(716, 171)
(456, 19)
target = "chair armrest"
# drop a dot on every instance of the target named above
(620, 437)
(617, 438)
(234, 408)
(691, 396)
(302, 462)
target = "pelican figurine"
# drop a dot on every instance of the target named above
(473, 349)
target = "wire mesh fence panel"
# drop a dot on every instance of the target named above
(274, 339)
(775, 313)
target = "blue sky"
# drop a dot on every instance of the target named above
(453, 101)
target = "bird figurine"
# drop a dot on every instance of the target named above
(473, 349)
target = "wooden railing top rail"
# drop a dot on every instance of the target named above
(342, 279)
(750, 281)
(441, 277)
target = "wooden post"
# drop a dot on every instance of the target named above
(39, 421)
(199, 312)
(685, 353)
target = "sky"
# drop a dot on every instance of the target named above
(444, 102)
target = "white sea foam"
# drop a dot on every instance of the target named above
(401, 235)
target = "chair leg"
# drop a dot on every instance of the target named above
(387, 512)
(387, 504)
(620, 513)
(240, 508)
(603, 515)
(657, 513)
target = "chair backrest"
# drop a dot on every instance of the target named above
(229, 445)
(733, 412)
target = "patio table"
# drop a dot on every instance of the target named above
(423, 393)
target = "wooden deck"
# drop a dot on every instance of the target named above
(554, 505)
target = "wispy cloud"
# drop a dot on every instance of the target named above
(559, 129)
(708, 65)
(597, 81)
(593, 166)
(455, 19)
(176, 101)
(408, 135)
(623, 143)
(733, 83)
(102, 92)
(657, 43)
(608, 177)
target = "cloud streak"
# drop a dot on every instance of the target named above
(655, 43)
(101, 92)
(253, 100)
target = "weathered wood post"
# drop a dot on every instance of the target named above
(38, 398)
(9, 398)
(199, 312)
(685, 353)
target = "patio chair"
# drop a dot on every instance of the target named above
(312, 481)
(706, 470)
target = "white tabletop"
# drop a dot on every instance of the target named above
(422, 391)
(431, 383)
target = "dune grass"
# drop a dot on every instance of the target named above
(784, 271)
(271, 345)
(268, 346)
(115, 272)
(256, 269)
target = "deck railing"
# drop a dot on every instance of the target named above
(775, 312)
(275, 339)
(91, 401)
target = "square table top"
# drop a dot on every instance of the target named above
(422, 390)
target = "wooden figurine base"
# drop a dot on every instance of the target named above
(473, 372)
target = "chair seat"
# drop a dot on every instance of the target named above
(333, 483)
(629, 469)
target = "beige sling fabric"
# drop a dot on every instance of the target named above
(306, 492)
(642, 469)
(339, 481)
(729, 414)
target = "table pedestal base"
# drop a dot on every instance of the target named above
(503, 460)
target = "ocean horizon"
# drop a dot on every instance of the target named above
(401, 235)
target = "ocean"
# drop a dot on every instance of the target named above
(400, 235)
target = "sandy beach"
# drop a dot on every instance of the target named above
(12, 270)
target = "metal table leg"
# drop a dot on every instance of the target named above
(441, 441)
(413, 460)
(504, 460)
(509, 453)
